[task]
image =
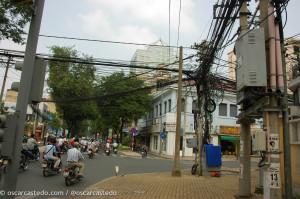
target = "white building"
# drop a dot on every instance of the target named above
(162, 118)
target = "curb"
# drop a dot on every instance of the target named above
(121, 153)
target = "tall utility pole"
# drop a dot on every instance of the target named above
(10, 179)
(176, 166)
(285, 119)
(272, 186)
(4, 79)
(245, 141)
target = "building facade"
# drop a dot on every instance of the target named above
(157, 55)
(160, 123)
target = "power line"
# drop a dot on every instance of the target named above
(242, 35)
(105, 41)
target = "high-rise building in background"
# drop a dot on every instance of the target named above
(157, 55)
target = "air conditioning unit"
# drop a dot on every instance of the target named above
(251, 60)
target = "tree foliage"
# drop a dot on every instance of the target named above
(72, 80)
(13, 18)
(121, 109)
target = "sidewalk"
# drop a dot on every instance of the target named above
(163, 185)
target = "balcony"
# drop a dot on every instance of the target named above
(169, 119)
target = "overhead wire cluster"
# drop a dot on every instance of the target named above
(209, 86)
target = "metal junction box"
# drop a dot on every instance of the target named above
(251, 60)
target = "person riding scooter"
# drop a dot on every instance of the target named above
(33, 147)
(75, 157)
(50, 153)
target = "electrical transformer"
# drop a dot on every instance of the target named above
(251, 60)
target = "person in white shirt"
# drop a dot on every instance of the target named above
(75, 157)
(50, 153)
(31, 142)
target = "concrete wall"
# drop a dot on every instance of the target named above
(295, 151)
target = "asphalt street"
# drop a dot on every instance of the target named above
(97, 169)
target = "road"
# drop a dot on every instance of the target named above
(97, 169)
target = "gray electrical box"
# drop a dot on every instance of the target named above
(251, 60)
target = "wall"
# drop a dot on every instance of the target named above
(295, 151)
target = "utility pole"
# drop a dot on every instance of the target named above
(245, 138)
(10, 179)
(272, 183)
(285, 119)
(176, 166)
(35, 118)
(4, 80)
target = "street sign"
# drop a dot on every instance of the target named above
(163, 135)
(191, 142)
(274, 176)
(273, 143)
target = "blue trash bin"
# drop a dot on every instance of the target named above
(213, 156)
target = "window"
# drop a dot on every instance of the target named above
(295, 132)
(222, 109)
(181, 143)
(165, 110)
(155, 142)
(170, 105)
(159, 109)
(233, 110)
(182, 105)
(156, 110)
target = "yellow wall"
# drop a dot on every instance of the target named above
(295, 157)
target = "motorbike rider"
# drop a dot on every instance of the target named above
(92, 146)
(32, 144)
(50, 152)
(75, 157)
(25, 151)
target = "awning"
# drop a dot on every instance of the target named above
(229, 138)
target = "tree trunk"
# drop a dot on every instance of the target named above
(121, 131)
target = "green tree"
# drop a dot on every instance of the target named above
(72, 80)
(121, 109)
(13, 18)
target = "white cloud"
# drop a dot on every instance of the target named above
(8, 44)
(149, 17)
(97, 24)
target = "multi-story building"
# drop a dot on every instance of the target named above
(294, 117)
(38, 114)
(156, 55)
(159, 125)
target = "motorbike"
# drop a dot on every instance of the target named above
(115, 147)
(35, 153)
(48, 168)
(71, 175)
(24, 162)
(115, 150)
(107, 151)
(90, 153)
(143, 153)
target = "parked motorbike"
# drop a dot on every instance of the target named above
(24, 162)
(71, 175)
(48, 168)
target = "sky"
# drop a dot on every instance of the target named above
(140, 21)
